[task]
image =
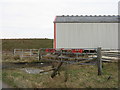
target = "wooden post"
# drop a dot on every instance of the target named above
(66, 73)
(14, 52)
(30, 52)
(38, 54)
(22, 54)
(55, 71)
(99, 61)
(77, 56)
(61, 55)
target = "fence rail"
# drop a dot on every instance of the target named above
(91, 52)
(27, 53)
(70, 56)
(36, 52)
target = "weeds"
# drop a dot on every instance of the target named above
(17, 57)
(78, 77)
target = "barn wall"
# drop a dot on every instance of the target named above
(87, 35)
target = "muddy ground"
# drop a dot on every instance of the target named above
(23, 65)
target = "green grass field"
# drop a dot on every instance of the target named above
(10, 44)
(78, 77)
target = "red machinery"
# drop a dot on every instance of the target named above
(50, 50)
(77, 50)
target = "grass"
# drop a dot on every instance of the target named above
(78, 77)
(0, 74)
(10, 44)
(10, 58)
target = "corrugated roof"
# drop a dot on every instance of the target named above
(87, 19)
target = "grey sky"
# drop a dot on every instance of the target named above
(34, 18)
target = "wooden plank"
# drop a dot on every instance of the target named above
(47, 70)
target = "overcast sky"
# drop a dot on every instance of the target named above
(34, 18)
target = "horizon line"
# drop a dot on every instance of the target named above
(26, 38)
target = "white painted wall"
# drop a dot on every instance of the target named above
(87, 35)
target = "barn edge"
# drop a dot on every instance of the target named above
(54, 42)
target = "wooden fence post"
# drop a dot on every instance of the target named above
(22, 54)
(56, 70)
(99, 61)
(39, 54)
(66, 73)
(14, 52)
(30, 52)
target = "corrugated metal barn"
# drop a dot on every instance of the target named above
(86, 32)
